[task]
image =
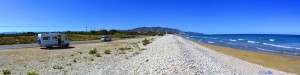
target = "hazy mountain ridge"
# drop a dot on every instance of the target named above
(138, 29)
(156, 29)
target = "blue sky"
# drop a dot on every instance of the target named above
(205, 16)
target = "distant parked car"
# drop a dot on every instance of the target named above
(105, 38)
(53, 39)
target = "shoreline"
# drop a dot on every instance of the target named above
(279, 62)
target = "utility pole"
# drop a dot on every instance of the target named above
(86, 29)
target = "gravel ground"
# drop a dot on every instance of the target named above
(169, 54)
(174, 55)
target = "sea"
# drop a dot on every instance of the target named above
(287, 45)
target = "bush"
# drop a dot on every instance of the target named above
(93, 51)
(143, 49)
(74, 60)
(72, 54)
(107, 51)
(122, 52)
(92, 59)
(80, 52)
(146, 41)
(124, 48)
(5, 72)
(120, 35)
(57, 67)
(97, 55)
(32, 73)
(136, 53)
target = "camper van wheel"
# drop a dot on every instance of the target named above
(67, 45)
(48, 46)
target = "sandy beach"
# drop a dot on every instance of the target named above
(169, 54)
(279, 62)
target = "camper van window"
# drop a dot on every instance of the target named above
(66, 38)
(45, 38)
(54, 38)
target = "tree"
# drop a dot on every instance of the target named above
(93, 32)
(68, 32)
(113, 31)
(103, 32)
(30, 33)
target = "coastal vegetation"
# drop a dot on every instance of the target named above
(6, 72)
(94, 51)
(107, 51)
(146, 41)
(30, 37)
(97, 55)
(57, 67)
(32, 73)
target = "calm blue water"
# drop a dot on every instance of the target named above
(288, 45)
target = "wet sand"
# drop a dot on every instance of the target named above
(283, 63)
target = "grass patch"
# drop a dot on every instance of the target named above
(146, 42)
(80, 52)
(32, 73)
(97, 55)
(91, 59)
(6, 72)
(107, 51)
(123, 52)
(74, 60)
(125, 48)
(136, 53)
(141, 49)
(94, 51)
(57, 67)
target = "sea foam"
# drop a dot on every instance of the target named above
(280, 46)
(232, 40)
(241, 39)
(272, 40)
(210, 42)
(251, 41)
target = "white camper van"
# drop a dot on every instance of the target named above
(53, 39)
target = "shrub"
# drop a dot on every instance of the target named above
(97, 55)
(107, 51)
(125, 48)
(122, 48)
(80, 52)
(32, 73)
(120, 35)
(143, 49)
(93, 51)
(5, 72)
(122, 52)
(146, 41)
(57, 67)
(74, 60)
(72, 54)
(92, 59)
(136, 53)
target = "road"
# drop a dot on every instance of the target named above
(18, 46)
